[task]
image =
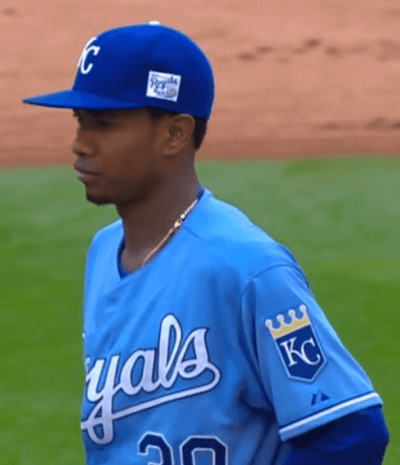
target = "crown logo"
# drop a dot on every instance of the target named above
(285, 328)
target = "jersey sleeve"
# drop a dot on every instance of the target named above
(308, 375)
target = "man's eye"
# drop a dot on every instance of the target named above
(94, 122)
(102, 123)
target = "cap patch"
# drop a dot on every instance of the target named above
(164, 86)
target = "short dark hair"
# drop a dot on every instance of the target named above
(200, 126)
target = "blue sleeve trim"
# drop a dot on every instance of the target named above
(316, 419)
(358, 438)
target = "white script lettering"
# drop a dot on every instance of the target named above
(171, 364)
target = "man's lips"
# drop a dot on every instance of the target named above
(84, 174)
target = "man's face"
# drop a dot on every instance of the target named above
(116, 155)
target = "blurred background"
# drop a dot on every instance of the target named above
(304, 138)
(292, 79)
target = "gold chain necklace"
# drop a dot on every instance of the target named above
(170, 233)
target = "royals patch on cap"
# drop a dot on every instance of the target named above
(163, 86)
(137, 66)
(297, 344)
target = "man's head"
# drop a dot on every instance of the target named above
(143, 95)
(125, 155)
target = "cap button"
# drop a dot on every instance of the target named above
(154, 23)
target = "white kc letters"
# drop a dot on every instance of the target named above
(89, 48)
(172, 362)
(290, 350)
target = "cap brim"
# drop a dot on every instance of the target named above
(78, 100)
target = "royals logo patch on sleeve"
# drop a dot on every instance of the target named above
(297, 344)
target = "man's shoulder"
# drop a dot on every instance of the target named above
(229, 235)
(107, 234)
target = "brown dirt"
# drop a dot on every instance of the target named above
(306, 78)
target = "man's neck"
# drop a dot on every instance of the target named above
(147, 223)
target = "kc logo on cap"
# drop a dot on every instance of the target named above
(89, 48)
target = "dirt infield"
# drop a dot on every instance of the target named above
(306, 78)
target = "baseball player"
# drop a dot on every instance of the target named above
(204, 344)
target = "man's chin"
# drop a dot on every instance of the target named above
(97, 200)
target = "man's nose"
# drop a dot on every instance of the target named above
(82, 146)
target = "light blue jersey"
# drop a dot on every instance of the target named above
(214, 353)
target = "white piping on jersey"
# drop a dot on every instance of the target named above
(341, 406)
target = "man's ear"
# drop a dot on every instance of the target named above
(178, 134)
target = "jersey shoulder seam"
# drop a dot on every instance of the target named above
(284, 264)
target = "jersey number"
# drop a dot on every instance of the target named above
(188, 448)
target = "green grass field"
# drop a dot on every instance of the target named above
(340, 217)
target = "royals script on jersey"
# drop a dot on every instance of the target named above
(214, 353)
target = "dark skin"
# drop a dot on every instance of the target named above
(144, 167)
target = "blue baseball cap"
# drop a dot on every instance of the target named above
(138, 66)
